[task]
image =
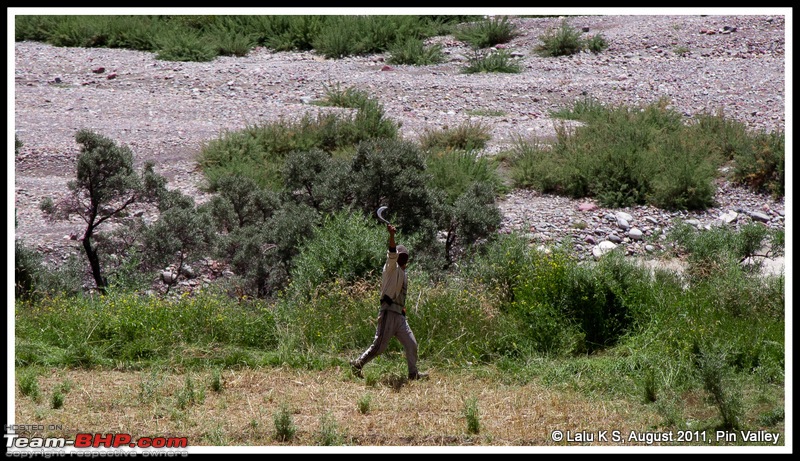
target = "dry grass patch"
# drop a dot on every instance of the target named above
(424, 413)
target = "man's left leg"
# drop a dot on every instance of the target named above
(409, 342)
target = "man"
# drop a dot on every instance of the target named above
(392, 315)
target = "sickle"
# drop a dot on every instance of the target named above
(380, 214)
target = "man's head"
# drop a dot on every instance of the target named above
(402, 255)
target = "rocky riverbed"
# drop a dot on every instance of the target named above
(165, 111)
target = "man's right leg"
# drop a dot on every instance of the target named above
(383, 334)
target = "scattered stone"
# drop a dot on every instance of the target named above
(758, 216)
(169, 277)
(602, 248)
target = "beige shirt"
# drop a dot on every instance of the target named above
(394, 283)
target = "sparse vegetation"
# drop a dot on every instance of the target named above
(472, 414)
(624, 157)
(413, 51)
(566, 40)
(487, 32)
(494, 61)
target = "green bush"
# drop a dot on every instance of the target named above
(413, 51)
(566, 40)
(597, 43)
(712, 368)
(317, 179)
(622, 157)
(27, 271)
(184, 45)
(29, 384)
(285, 428)
(495, 61)
(488, 32)
(469, 135)
(37, 28)
(227, 42)
(562, 41)
(762, 166)
(350, 97)
(287, 32)
(259, 152)
(392, 173)
(453, 171)
(346, 246)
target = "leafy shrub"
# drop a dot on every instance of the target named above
(346, 246)
(597, 43)
(486, 33)
(392, 173)
(453, 171)
(284, 425)
(316, 178)
(329, 433)
(563, 41)
(29, 384)
(496, 61)
(227, 43)
(711, 365)
(469, 135)
(566, 40)
(707, 250)
(27, 269)
(259, 152)
(414, 52)
(184, 45)
(623, 157)
(350, 97)
(761, 167)
(37, 28)
(287, 32)
(473, 217)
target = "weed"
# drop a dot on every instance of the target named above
(413, 51)
(563, 41)
(711, 364)
(469, 135)
(29, 384)
(681, 50)
(365, 403)
(216, 381)
(189, 395)
(487, 32)
(472, 414)
(499, 61)
(57, 400)
(284, 427)
(329, 433)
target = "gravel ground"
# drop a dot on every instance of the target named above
(166, 111)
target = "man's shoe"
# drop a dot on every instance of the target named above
(356, 368)
(415, 376)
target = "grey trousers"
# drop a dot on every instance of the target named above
(390, 325)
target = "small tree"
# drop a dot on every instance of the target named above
(182, 233)
(105, 187)
(473, 216)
